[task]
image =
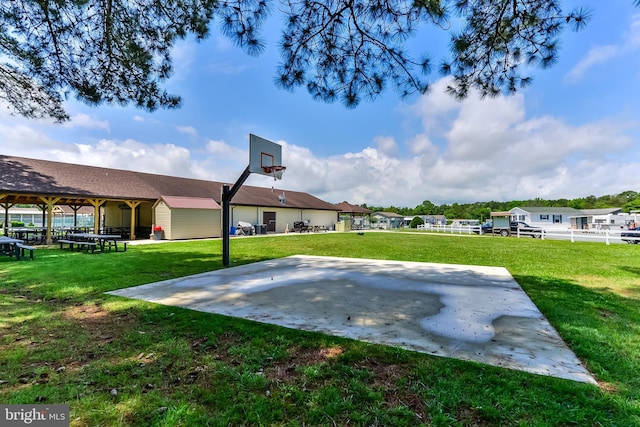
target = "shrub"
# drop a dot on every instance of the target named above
(415, 222)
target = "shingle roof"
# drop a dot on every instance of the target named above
(602, 211)
(389, 214)
(349, 208)
(542, 209)
(23, 176)
(179, 202)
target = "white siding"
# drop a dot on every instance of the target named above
(250, 214)
(284, 216)
(188, 223)
(163, 219)
(195, 223)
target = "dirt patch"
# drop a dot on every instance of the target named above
(288, 371)
(101, 325)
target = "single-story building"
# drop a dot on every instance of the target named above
(563, 218)
(387, 220)
(434, 219)
(131, 203)
(358, 217)
(601, 219)
(548, 218)
(178, 217)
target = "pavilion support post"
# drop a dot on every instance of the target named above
(75, 209)
(6, 206)
(96, 203)
(133, 204)
(49, 202)
(43, 208)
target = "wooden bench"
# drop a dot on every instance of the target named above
(21, 248)
(67, 242)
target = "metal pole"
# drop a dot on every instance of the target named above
(225, 225)
(227, 195)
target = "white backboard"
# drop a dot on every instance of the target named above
(263, 152)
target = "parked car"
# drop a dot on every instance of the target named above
(632, 235)
(525, 229)
(485, 228)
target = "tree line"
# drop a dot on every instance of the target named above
(627, 200)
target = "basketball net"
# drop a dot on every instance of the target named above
(275, 171)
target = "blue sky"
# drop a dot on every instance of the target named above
(575, 132)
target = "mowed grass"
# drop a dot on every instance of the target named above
(123, 362)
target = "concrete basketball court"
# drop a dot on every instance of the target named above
(459, 311)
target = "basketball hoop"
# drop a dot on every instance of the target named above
(275, 171)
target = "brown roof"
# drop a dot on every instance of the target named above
(349, 208)
(84, 210)
(389, 214)
(178, 202)
(27, 177)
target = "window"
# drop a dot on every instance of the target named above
(557, 219)
(544, 217)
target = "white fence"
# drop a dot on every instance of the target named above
(454, 229)
(606, 236)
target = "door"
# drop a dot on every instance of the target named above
(269, 218)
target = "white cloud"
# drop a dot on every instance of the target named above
(602, 54)
(183, 56)
(25, 141)
(226, 68)
(130, 154)
(187, 130)
(386, 145)
(421, 144)
(632, 37)
(86, 121)
(595, 56)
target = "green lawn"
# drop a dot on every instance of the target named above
(123, 362)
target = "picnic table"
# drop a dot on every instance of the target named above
(13, 247)
(29, 234)
(91, 241)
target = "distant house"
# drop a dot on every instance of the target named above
(358, 216)
(545, 217)
(459, 222)
(388, 220)
(602, 219)
(434, 219)
(561, 218)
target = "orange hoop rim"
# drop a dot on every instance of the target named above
(271, 169)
